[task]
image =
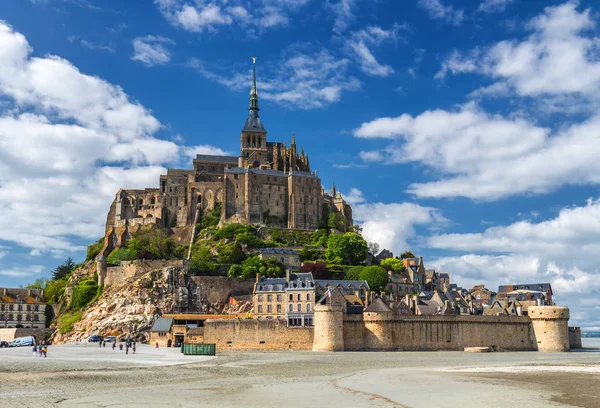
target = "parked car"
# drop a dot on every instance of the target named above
(110, 339)
(95, 339)
(3, 343)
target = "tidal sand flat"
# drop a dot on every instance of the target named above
(74, 376)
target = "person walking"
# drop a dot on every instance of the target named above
(133, 346)
(45, 350)
(127, 348)
(40, 350)
(121, 347)
(114, 345)
(104, 344)
(34, 351)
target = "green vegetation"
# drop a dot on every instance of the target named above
(94, 249)
(202, 261)
(376, 277)
(54, 290)
(61, 271)
(393, 264)
(270, 268)
(83, 294)
(211, 218)
(152, 243)
(336, 221)
(121, 254)
(67, 320)
(230, 253)
(407, 254)
(353, 273)
(348, 249)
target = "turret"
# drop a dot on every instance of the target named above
(101, 269)
(550, 327)
(329, 322)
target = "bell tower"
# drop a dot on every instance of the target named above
(253, 140)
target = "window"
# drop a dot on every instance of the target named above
(308, 297)
(235, 176)
(278, 308)
(36, 318)
(308, 321)
(259, 308)
(299, 297)
(269, 309)
(236, 195)
(308, 307)
(291, 298)
(279, 298)
(260, 298)
(269, 298)
(299, 307)
(291, 308)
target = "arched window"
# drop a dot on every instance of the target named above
(299, 307)
(291, 307)
(308, 307)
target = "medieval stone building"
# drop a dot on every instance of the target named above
(269, 183)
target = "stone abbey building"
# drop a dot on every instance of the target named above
(268, 183)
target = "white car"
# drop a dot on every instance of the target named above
(110, 339)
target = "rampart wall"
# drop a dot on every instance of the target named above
(11, 334)
(216, 289)
(116, 275)
(254, 334)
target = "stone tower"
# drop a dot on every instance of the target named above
(254, 136)
(550, 327)
(329, 322)
(101, 269)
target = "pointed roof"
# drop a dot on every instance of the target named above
(378, 306)
(253, 123)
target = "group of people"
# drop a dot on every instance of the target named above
(129, 344)
(40, 350)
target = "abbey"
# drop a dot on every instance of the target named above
(269, 183)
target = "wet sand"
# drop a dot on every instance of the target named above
(74, 376)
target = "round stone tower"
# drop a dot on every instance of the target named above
(101, 269)
(550, 327)
(378, 328)
(329, 323)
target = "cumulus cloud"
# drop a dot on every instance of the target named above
(392, 225)
(487, 157)
(361, 43)
(192, 151)
(152, 50)
(558, 60)
(22, 272)
(439, 11)
(561, 250)
(69, 142)
(205, 15)
(304, 78)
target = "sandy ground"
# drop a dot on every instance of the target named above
(74, 376)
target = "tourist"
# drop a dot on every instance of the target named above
(121, 346)
(34, 351)
(127, 348)
(133, 346)
(104, 344)
(45, 350)
(114, 345)
(157, 344)
(40, 350)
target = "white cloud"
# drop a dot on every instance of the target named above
(487, 157)
(361, 42)
(209, 15)
(344, 13)
(558, 60)
(22, 272)
(303, 78)
(494, 6)
(68, 142)
(562, 250)
(391, 225)
(151, 50)
(438, 11)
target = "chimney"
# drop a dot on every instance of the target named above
(4, 292)
(287, 275)
(420, 260)
(28, 292)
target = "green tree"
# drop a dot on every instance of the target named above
(348, 249)
(64, 269)
(272, 268)
(231, 253)
(39, 283)
(353, 273)
(376, 277)
(325, 211)
(319, 237)
(235, 271)
(153, 243)
(119, 255)
(407, 254)
(202, 261)
(250, 267)
(54, 289)
(336, 221)
(393, 264)
(94, 249)
(83, 294)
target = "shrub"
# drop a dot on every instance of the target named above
(94, 249)
(211, 218)
(230, 253)
(202, 261)
(393, 264)
(353, 273)
(319, 237)
(235, 271)
(272, 268)
(336, 221)
(119, 255)
(251, 240)
(152, 243)
(231, 231)
(180, 251)
(83, 294)
(53, 291)
(67, 320)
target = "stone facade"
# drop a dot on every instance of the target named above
(267, 184)
(22, 308)
(551, 327)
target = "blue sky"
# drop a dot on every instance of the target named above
(466, 131)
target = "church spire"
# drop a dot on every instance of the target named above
(254, 91)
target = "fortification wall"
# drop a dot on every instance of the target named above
(216, 289)
(11, 334)
(116, 275)
(575, 338)
(254, 334)
(503, 333)
(551, 327)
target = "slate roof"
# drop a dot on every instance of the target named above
(542, 287)
(345, 284)
(162, 325)
(427, 307)
(218, 159)
(444, 276)
(284, 251)
(378, 306)
(253, 123)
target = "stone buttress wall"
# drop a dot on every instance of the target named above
(503, 333)
(254, 334)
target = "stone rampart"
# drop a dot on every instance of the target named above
(217, 289)
(11, 334)
(126, 270)
(254, 334)
(373, 332)
(575, 338)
